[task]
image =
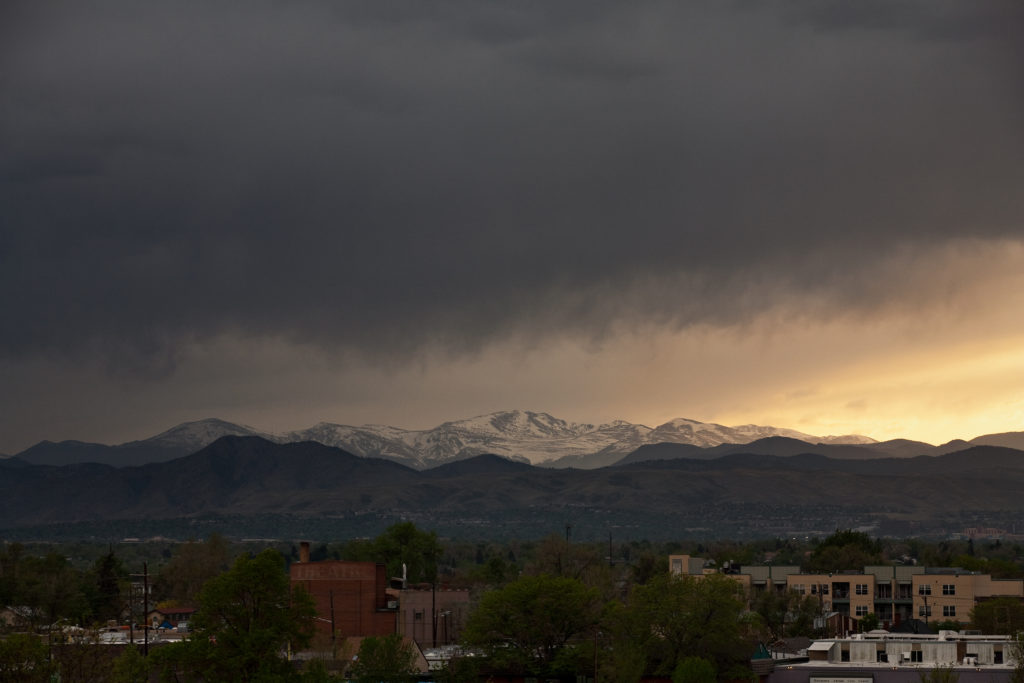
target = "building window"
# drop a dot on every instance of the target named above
(948, 589)
(916, 656)
(677, 566)
(824, 589)
(924, 610)
(799, 588)
(949, 610)
(862, 610)
(924, 589)
(997, 657)
(861, 589)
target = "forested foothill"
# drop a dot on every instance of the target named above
(539, 608)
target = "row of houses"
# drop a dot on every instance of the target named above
(894, 594)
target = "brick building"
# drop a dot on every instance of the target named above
(351, 596)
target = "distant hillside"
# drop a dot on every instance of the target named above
(783, 446)
(773, 445)
(1005, 439)
(174, 443)
(254, 476)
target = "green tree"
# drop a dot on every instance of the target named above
(998, 616)
(400, 544)
(194, 563)
(845, 549)
(804, 610)
(647, 566)
(495, 572)
(773, 608)
(623, 657)
(23, 659)
(459, 669)
(84, 661)
(694, 670)
(675, 617)
(130, 667)
(10, 572)
(385, 659)
(108, 575)
(1017, 654)
(247, 618)
(869, 622)
(316, 671)
(535, 624)
(51, 586)
(999, 568)
(555, 556)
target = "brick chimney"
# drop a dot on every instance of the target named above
(304, 551)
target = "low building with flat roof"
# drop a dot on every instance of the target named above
(881, 657)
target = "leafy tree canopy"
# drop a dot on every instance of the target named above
(385, 659)
(401, 543)
(694, 670)
(869, 622)
(998, 616)
(23, 659)
(785, 614)
(845, 549)
(247, 618)
(676, 617)
(130, 667)
(533, 624)
(105, 599)
(194, 563)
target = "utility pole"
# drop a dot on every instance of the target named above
(131, 612)
(334, 631)
(145, 608)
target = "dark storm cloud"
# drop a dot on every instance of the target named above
(357, 175)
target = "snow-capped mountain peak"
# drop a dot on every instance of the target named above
(199, 433)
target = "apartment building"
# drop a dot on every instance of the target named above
(941, 594)
(894, 594)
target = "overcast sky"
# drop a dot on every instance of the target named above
(808, 214)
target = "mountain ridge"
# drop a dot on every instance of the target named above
(525, 436)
